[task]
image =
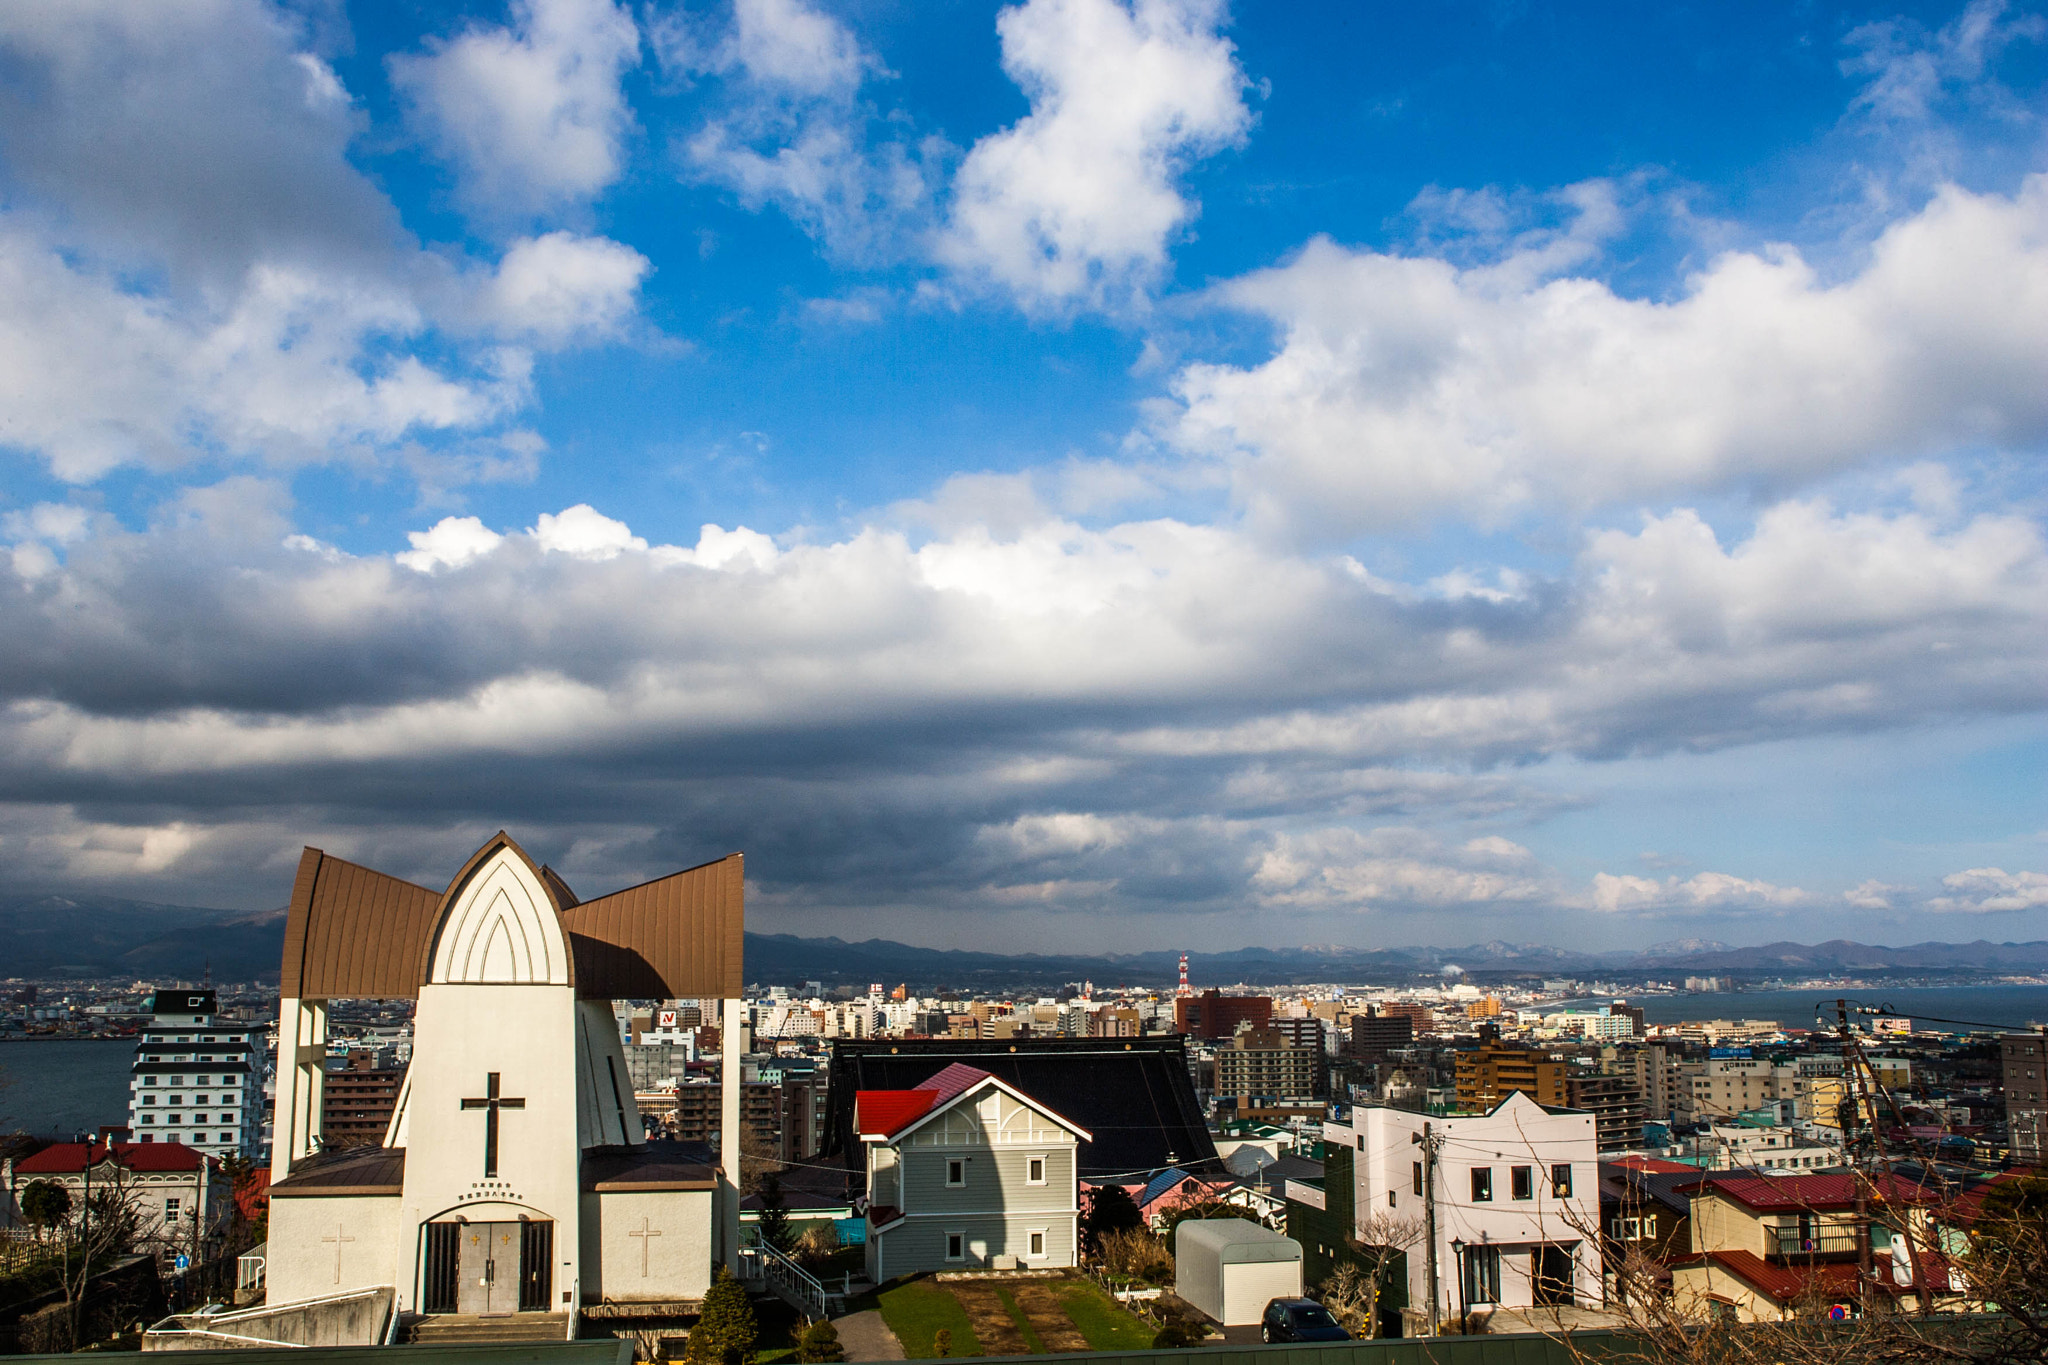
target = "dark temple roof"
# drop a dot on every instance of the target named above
(344, 1171)
(352, 931)
(1133, 1094)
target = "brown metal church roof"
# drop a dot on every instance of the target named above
(352, 931)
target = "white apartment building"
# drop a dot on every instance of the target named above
(196, 1079)
(1738, 1147)
(1516, 1195)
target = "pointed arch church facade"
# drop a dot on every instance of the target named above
(515, 1175)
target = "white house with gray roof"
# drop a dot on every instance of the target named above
(967, 1171)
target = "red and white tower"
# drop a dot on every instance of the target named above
(1185, 989)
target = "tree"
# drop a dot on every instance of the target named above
(1352, 1292)
(1136, 1254)
(725, 1330)
(1110, 1209)
(758, 1158)
(774, 1212)
(46, 1205)
(818, 1344)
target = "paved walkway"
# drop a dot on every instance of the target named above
(866, 1337)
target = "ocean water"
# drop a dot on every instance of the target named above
(1995, 1006)
(64, 1087)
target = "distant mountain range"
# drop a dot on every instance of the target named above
(53, 936)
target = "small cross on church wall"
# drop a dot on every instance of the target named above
(646, 1234)
(338, 1238)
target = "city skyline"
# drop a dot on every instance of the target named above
(1073, 475)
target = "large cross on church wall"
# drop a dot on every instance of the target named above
(491, 1102)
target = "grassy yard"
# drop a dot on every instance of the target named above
(1041, 1317)
(1106, 1325)
(915, 1312)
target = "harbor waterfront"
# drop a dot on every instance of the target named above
(61, 1086)
(70, 1085)
(2015, 1007)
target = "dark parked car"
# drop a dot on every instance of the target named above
(1300, 1320)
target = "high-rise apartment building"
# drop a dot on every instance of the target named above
(1213, 1014)
(1616, 1105)
(1264, 1063)
(2024, 1062)
(197, 1079)
(1374, 1035)
(357, 1100)
(1486, 1076)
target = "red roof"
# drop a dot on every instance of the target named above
(1787, 1282)
(1650, 1165)
(887, 1111)
(1793, 1193)
(70, 1158)
(252, 1193)
(953, 1081)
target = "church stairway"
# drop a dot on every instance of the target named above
(460, 1329)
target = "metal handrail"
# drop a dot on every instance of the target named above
(776, 1268)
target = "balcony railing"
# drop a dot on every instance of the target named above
(1792, 1242)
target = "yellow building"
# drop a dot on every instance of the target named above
(1488, 1075)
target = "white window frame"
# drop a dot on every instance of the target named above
(1038, 1159)
(956, 1246)
(1035, 1237)
(953, 1164)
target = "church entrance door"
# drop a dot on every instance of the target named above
(487, 1269)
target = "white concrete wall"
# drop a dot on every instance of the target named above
(677, 1262)
(1519, 1133)
(304, 1261)
(527, 1035)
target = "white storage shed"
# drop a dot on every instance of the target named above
(1231, 1268)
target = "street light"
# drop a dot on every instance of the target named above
(1464, 1306)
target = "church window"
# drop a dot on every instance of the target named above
(956, 1246)
(170, 1209)
(956, 1172)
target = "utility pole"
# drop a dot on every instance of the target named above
(1429, 1142)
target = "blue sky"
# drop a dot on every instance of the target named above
(1075, 473)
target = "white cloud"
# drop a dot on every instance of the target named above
(449, 543)
(1151, 714)
(1872, 894)
(532, 114)
(584, 533)
(1078, 201)
(1405, 387)
(1912, 71)
(192, 269)
(1992, 890)
(56, 522)
(559, 288)
(1395, 869)
(296, 366)
(1627, 894)
(793, 133)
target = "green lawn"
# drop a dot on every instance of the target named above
(916, 1311)
(1098, 1317)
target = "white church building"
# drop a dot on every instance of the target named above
(515, 1176)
